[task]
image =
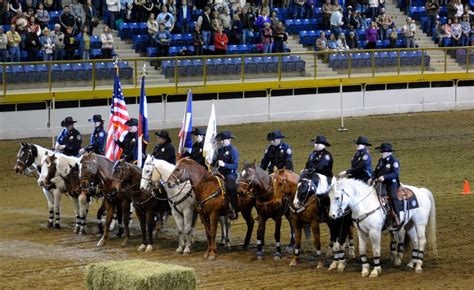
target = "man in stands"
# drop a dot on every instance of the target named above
(14, 40)
(166, 18)
(98, 137)
(278, 154)
(67, 19)
(69, 140)
(58, 42)
(432, 9)
(204, 21)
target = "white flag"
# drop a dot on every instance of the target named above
(209, 147)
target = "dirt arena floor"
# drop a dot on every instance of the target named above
(436, 150)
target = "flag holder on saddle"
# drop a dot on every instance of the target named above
(406, 200)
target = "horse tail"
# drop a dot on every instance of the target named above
(431, 230)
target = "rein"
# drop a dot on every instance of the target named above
(363, 216)
(303, 208)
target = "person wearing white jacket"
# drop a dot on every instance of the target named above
(113, 6)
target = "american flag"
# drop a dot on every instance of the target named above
(185, 140)
(118, 118)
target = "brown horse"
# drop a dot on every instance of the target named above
(210, 199)
(268, 205)
(96, 172)
(126, 178)
(285, 184)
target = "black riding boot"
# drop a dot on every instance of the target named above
(394, 215)
(233, 207)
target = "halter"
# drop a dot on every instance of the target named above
(28, 161)
(346, 211)
(250, 185)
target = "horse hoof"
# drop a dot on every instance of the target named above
(149, 248)
(333, 266)
(365, 274)
(101, 243)
(50, 224)
(375, 272)
(277, 257)
(141, 248)
(340, 269)
(245, 247)
(418, 270)
(290, 249)
(228, 246)
(76, 230)
(124, 243)
(410, 265)
(186, 252)
(179, 249)
(83, 232)
(397, 262)
(211, 257)
(57, 226)
(294, 262)
(259, 255)
(320, 265)
(352, 254)
(206, 255)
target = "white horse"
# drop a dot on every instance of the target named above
(369, 216)
(181, 199)
(28, 162)
(63, 165)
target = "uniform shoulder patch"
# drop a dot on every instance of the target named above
(162, 149)
(327, 157)
(101, 134)
(365, 157)
(227, 153)
(266, 151)
(78, 137)
(395, 164)
(288, 151)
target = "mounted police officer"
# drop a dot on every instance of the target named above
(98, 137)
(196, 151)
(129, 141)
(387, 173)
(361, 163)
(320, 160)
(164, 150)
(69, 140)
(228, 163)
(277, 153)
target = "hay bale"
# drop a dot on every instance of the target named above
(139, 274)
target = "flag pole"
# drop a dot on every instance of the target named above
(183, 124)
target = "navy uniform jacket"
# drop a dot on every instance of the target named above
(72, 140)
(279, 156)
(97, 144)
(128, 146)
(230, 156)
(196, 153)
(389, 168)
(320, 162)
(165, 152)
(361, 165)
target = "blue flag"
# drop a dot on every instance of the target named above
(142, 126)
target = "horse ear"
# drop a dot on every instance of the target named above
(255, 162)
(275, 169)
(22, 143)
(333, 180)
(245, 163)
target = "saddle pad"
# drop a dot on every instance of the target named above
(411, 202)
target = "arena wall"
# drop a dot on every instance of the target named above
(35, 123)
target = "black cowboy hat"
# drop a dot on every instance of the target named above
(321, 140)
(385, 147)
(163, 134)
(224, 135)
(198, 131)
(132, 122)
(362, 140)
(96, 118)
(68, 121)
(275, 135)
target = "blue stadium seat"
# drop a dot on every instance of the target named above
(260, 64)
(125, 30)
(288, 64)
(210, 67)
(125, 70)
(271, 63)
(31, 73)
(95, 53)
(142, 28)
(134, 28)
(102, 71)
(219, 64)
(56, 72)
(68, 73)
(53, 17)
(152, 52)
(243, 48)
(231, 67)
(306, 24)
(250, 65)
(167, 67)
(140, 42)
(232, 49)
(188, 39)
(198, 67)
(79, 71)
(43, 72)
(404, 58)
(96, 42)
(303, 37)
(173, 51)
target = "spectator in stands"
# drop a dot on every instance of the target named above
(49, 5)
(432, 10)
(14, 7)
(163, 40)
(309, 9)
(371, 36)
(198, 40)
(469, 12)
(152, 26)
(456, 32)
(327, 11)
(341, 43)
(32, 44)
(247, 24)
(226, 21)
(374, 8)
(138, 12)
(215, 22)
(274, 20)
(236, 31)
(459, 9)
(107, 42)
(172, 8)
(92, 17)
(3, 46)
(42, 16)
(58, 42)
(14, 40)
(113, 8)
(439, 33)
(279, 38)
(447, 31)
(67, 19)
(200, 4)
(204, 22)
(84, 41)
(267, 38)
(393, 37)
(466, 30)
(35, 27)
(298, 9)
(148, 8)
(220, 42)
(353, 19)
(408, 31)
(77, 10)
(184, 15)
(336, 21)
(166, 18)
(353, 40)
(70, 43)
(47, 45)
(384, 24)
(452, 9)
(262, 19)
(332, 42)
(322, 45)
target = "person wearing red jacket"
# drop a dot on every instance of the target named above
(220, 42)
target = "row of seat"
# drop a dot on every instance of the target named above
(18, 73)
(382, 59)
(218, 66)
(416, 12)
(461, 56)
(231, 49)
(309, 37)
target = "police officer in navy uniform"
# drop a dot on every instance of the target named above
(361, 163)
(387, 173)
(320, 160)
(228, 163)
(164, 150)
(98, 137)
(129, 141)
(69, 140)
(196, 151)
(277, 153)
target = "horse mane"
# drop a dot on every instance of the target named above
(352, 183)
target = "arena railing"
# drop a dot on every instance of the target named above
(354, 67)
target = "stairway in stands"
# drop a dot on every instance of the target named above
(437, 57)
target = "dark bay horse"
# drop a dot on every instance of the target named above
(126, 179)
(268, 205)
(96, 174)
(211, 200)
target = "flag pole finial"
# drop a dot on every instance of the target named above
(144, 70)
(116, 61)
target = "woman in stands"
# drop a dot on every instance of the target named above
(456, 32)
(163, 39)
(371, 35)
(447, 30)
(220, 42)
(152, 25)
(198, 40)
(107, 42)
(332, 42)
(466, 30)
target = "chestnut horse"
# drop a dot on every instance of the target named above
(96, 172)
(211, 200)
(268, 205)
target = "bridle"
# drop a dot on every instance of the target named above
(28, 160)
(306, 194)
(343, 212)
(250, 183)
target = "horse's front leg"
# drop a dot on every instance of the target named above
(83, 210)
(110, 208)
(398, 238)
(421, 236)
(261, 235)
(363, 239)
(57, 208)
(77, 227)
(375, 237)
(206, 223)
(126, 215)
(414, 242)
(179, 220)
(149, 224)
(317, 242)
(247, 215)
(214, 220)
(100, 213)
(352, 254)
(277, 255)
(49, 197)
(142, 220)
(188, 229)
(291, 244)
(297, 246)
